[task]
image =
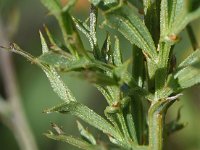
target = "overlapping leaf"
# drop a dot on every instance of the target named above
(176, 14)
(57, 84)
(87, 115)
(189, 72)
(65, 63)
(132, 28)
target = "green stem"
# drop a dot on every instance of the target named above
(156, 122)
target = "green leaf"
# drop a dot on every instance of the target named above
(191, 59)
(152, 18)
(53, 41)
(122, 74)
(88, 115)
(86, 134)
(117, 56)
(132, 28)
(188, 76)
(175, 15)
(65, 22)
(180, 24)
(106, 51)
(65, 63)
(80, 26)
(71, 140)
(57, 84)
(189, 71)
(131, 127)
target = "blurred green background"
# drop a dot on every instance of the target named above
(23, 19)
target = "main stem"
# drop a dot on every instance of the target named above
(156, 122)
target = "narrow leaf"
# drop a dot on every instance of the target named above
(80, 26)
(71, 140)
(117, 56)
(87, 115)
(106, 50)
(175, 15)
(132, 28)
(188, 76)
(57, 84)
(191, 59)
(188, 73)
(86, 134)
(65, 63)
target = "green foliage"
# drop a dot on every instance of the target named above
(154, 78)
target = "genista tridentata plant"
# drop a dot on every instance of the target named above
(152, 27)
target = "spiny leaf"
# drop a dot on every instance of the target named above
(57, 84)
(86, 134)
(71, 140)
(87, 115)
(132, 28)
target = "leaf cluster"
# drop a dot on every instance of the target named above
(154, 78)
